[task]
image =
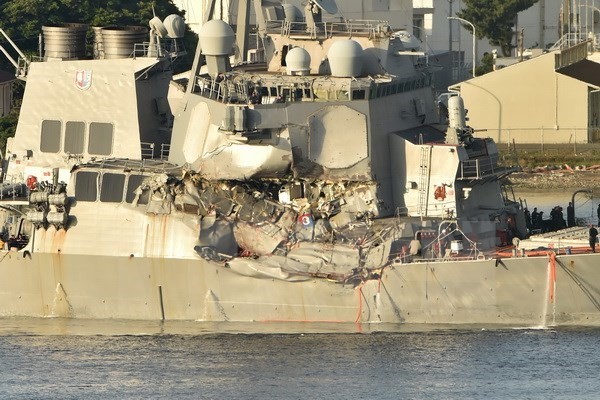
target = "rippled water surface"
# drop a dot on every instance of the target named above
(65, 359)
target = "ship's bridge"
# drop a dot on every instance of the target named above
(249, 87)
(483, 168)
(482, 165)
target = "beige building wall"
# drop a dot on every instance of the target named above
(528, 102)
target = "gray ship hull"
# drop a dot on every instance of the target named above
(528, 292)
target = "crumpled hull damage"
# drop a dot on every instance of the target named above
(285, 230)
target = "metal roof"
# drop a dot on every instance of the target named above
(585, 70)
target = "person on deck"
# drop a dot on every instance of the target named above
(535, 219)
(570, 215)
(593, 235)
(527, 219)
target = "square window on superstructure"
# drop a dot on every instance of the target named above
(86, 186)
(112, 188)
(50, 136)
(133, 183)
(74, 137)
(101, 139)
(358, 94)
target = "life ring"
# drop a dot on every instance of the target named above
(440, 192)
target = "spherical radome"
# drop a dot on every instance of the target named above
(298, 60)
(345, 58)
(216, 38)
(175, 25)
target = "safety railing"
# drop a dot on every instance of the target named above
(369, 28)
(165, 149)
(147, 150)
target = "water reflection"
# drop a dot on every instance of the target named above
(23, 326)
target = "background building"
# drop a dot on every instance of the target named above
(6, 81)
(397, 12)
(540, 25)
(553, 98)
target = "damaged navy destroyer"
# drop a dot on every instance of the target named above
(307, 179)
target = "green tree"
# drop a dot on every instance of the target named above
(22, 20)
(494, 19)
(485, 65)
(8, 126)
(26, 17)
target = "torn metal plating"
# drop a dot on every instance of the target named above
(301, 228)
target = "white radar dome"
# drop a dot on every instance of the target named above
(175, 26)
(216, 38)
(345, 58)
(298, 61)
(292, 14)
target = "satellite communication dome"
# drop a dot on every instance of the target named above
(328, 6)
(216, 38)
(297, 61)
(158, 27)
(175, 26)
(345, 58)
(292, 14)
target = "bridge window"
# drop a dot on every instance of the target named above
(74, 137)
(86, 186)
(101, 139)
(358, 94)
(50, 138)
(133, 183)
(112, 188)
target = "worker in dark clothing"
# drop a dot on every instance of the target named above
(535, 219)
(593, 235)
(598, 212)
(570, 215)
(527, 219)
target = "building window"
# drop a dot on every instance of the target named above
(101, 139)
(50, 138)
(74, 137)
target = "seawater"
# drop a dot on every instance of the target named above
(74, 359)
(545, 200)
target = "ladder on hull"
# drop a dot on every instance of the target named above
(424, 170)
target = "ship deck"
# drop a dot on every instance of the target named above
(576, 236)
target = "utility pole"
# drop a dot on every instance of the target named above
(450, 26)
(542, 32)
